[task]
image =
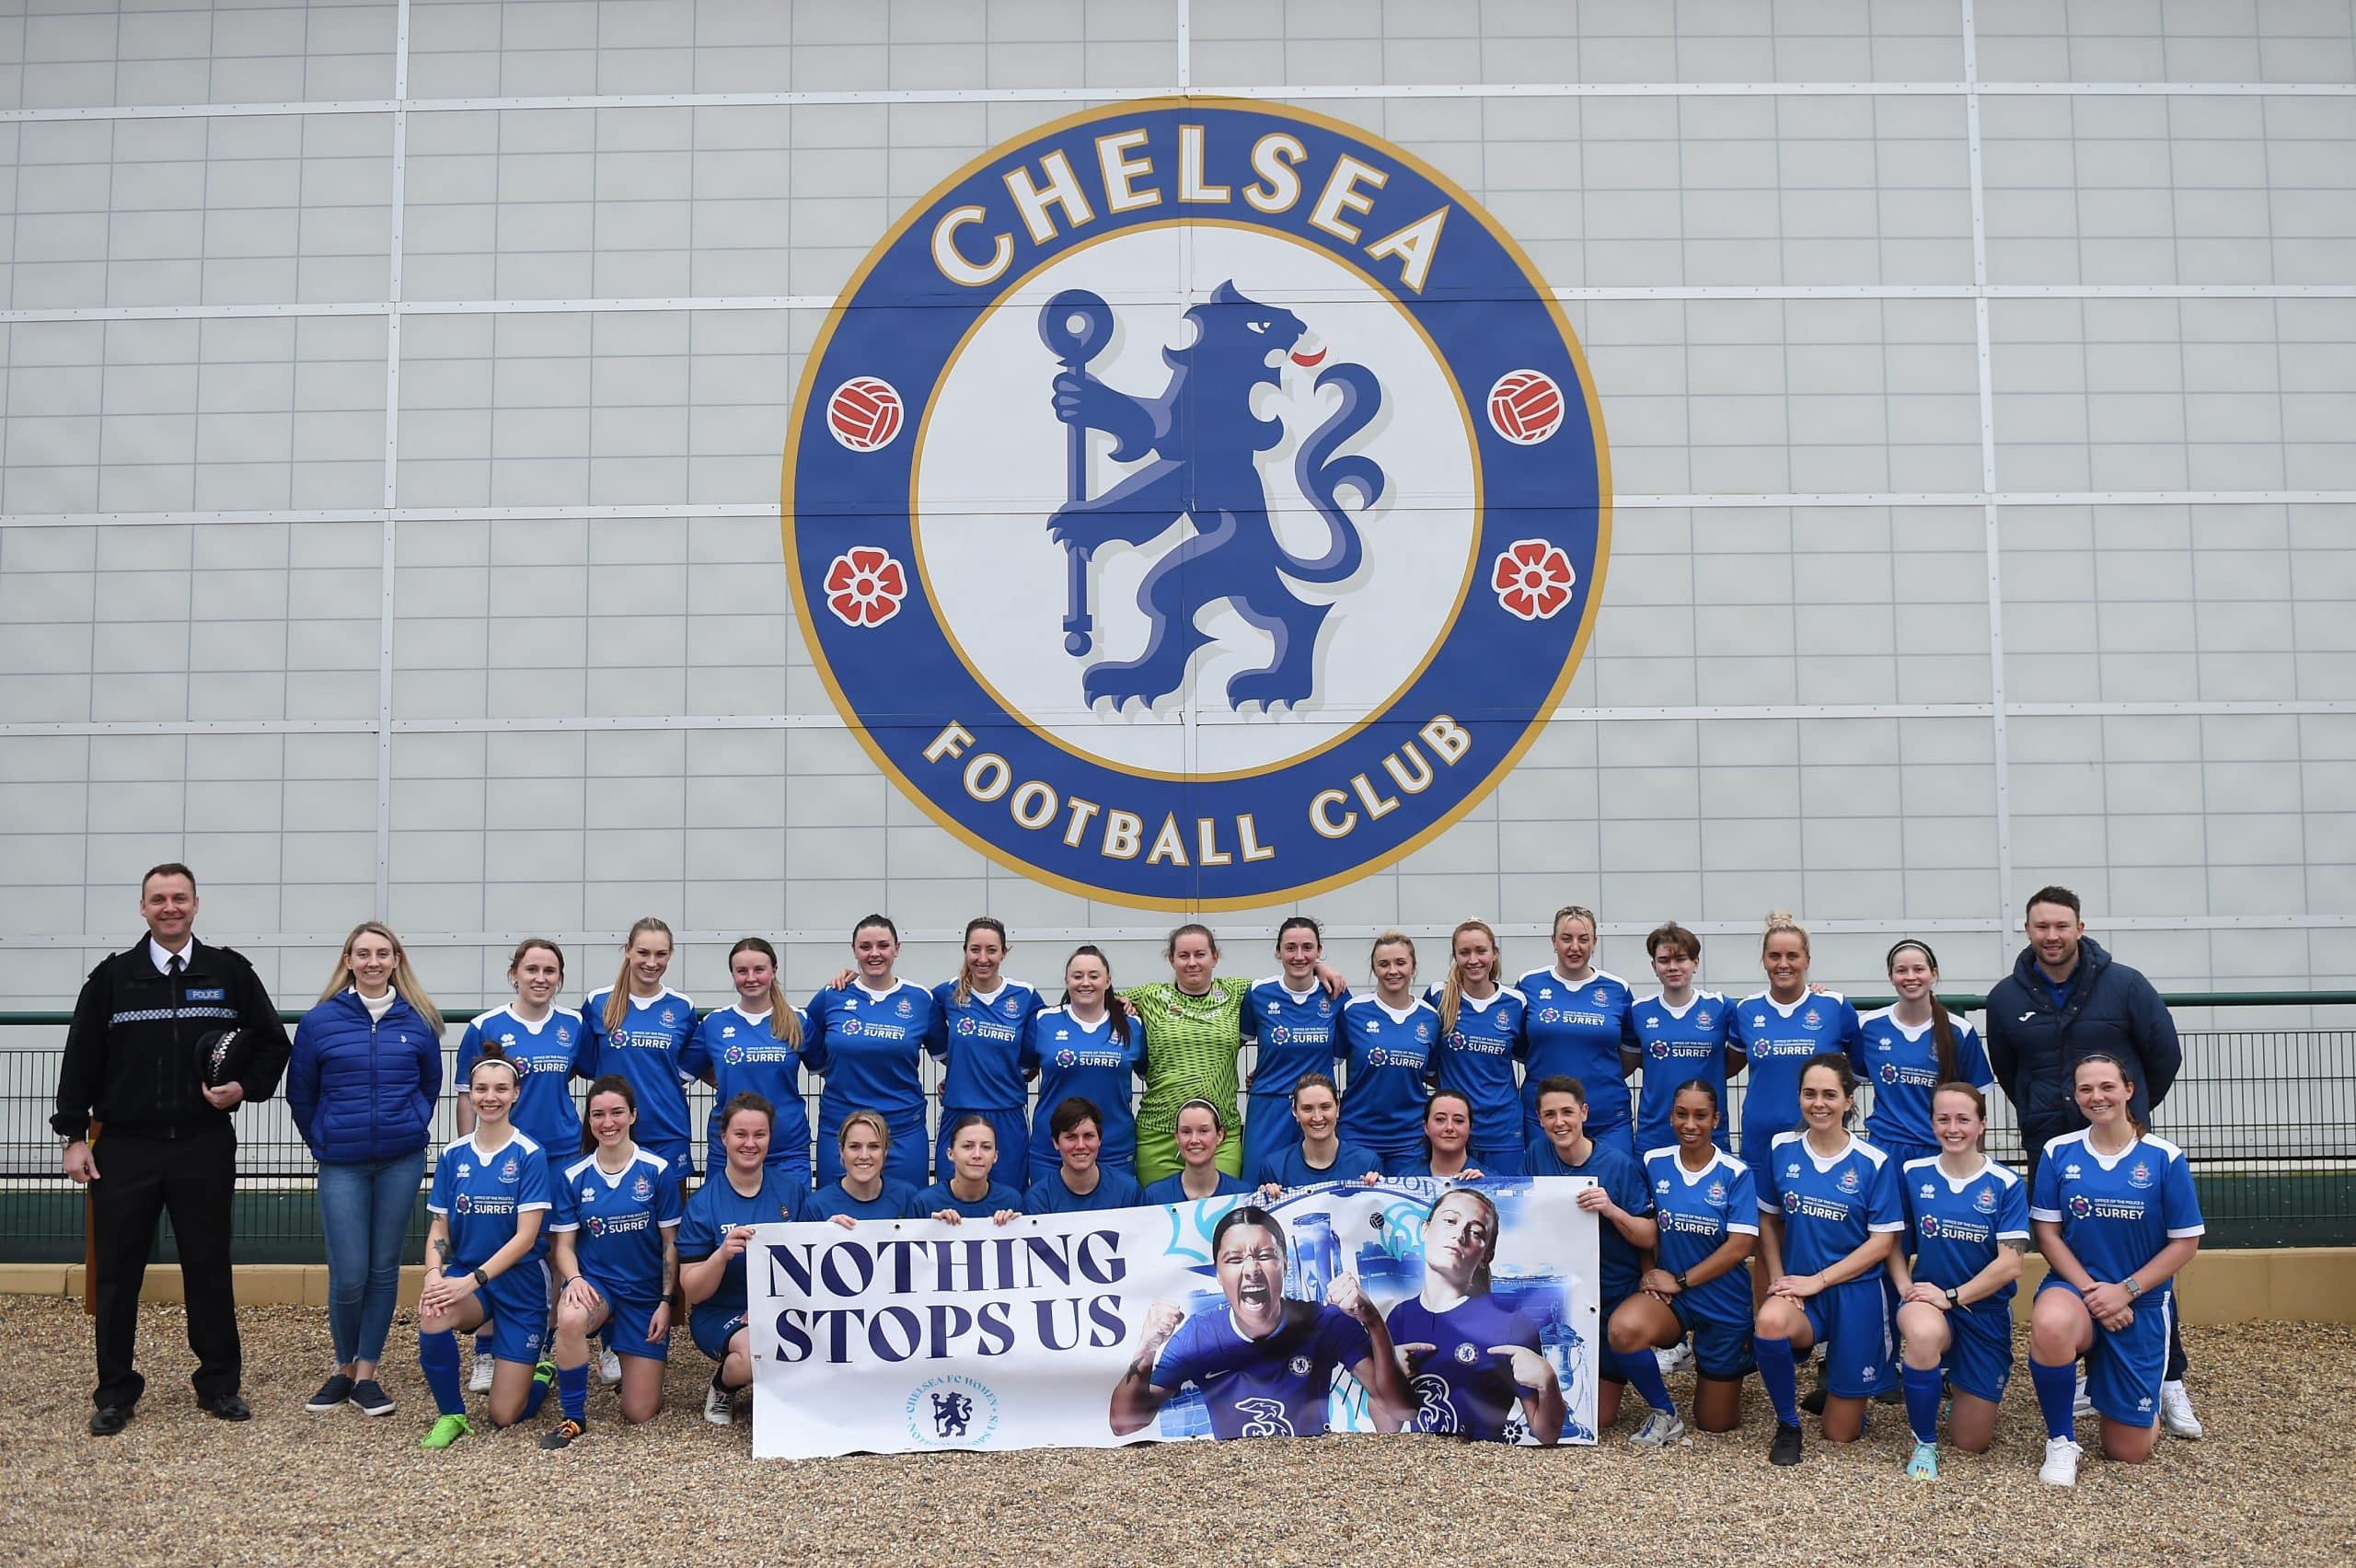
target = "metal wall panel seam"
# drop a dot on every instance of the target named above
(389, 556)
(1629, 293)
(1991, 526)
(1294, 92)
(949, 936)
(1955, 499)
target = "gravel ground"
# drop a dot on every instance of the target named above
(2271, 1483)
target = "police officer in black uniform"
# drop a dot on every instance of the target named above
(132, 1060)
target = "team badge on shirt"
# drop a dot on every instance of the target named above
(641, 1189)
(1299, 1365)
(1234, 447)
(2139, 1174)
(508, 1171)
(1984, 1200)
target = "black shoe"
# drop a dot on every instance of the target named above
(108, 1419)
(1787, 1450)
(225, 1407)
(370, 1396)
(1813, 1400)
(334, 1394)
(561, 1434)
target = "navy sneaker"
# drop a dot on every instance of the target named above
(332, 1394)
(370, 1396)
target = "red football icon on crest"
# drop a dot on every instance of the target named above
(864, 413)
(1525, 407)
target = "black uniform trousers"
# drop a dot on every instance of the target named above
(140, 1180)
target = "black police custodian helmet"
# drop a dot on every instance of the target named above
(223, 1055)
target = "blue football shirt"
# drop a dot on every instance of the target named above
(1829, 1206)
(1272, 1387)
(618, 1222)
(481, 1194)
(1958, 1225)
(1462, 1387)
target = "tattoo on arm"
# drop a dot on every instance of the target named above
(2016, 1244)
(441, 1249)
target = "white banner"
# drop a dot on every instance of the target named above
(1191, 1320)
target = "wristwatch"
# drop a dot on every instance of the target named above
(1953, 1300)
(482, 1280)
(2133, 1286)
(1680, 1277)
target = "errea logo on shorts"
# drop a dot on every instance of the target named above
(1155, 556)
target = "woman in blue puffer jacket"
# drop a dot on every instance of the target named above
(365, 1074)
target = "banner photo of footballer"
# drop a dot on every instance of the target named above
(1410, 1305)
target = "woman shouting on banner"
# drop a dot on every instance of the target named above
(1265, 1363)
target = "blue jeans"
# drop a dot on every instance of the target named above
(363, 1214)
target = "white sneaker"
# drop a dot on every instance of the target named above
(719, 1405)
(1660, 1428)
(481, 1382)
(2176, 1411)
(2060, 1466)
(1676, 1358)
(609, 1367)
(2082, 1404)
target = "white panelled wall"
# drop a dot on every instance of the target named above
(394, 396)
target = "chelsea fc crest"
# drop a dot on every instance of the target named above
(1196, 505)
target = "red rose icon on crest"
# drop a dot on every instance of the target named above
(864, 586)
(1533, 579)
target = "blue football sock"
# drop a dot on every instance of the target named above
(1776, 1371)
(482, 1342)
(437, 1356)
(533, 1400)
(1923, 1387)
(572, 1390)
(2057, 1396)
(1644, 1376)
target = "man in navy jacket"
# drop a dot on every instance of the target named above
(2067, 999)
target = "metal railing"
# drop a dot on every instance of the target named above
(2266, 1114)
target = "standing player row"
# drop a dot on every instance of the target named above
(1490, 1041)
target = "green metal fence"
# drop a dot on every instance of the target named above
(2267, 1115)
